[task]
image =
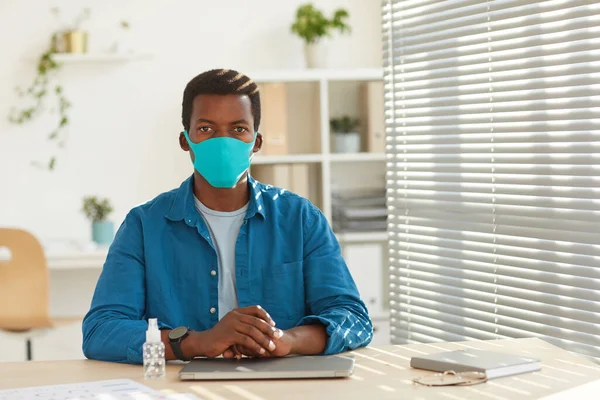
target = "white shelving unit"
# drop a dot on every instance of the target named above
(325, 158)
(68, 58)
(309, 142)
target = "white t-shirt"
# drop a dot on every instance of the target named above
(224, 228)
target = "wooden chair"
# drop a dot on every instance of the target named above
(24, 287)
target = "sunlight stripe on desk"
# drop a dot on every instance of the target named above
(369, 369)
(388, 353)
(551, 377)
(479, 392)
(378, 361)
(437, 347)
(357, 378)
(465, 346)
(531, 383)
(509, 388)
(577, 364)
(451, 396)
(243, 392)
(168, 391)
(565, 371)
(207, 394)
(386, 388)
(402, 347)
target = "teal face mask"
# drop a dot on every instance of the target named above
(222, 160)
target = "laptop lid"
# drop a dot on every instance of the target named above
(268, 368)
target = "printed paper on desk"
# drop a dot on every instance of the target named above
(116, 389)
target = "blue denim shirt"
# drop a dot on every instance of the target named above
(159, 266)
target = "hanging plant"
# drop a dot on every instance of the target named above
(42, 87)
(37, 93)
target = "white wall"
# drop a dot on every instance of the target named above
(126, 117)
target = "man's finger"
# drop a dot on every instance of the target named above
(248, 342)
(236, 352)
(258, 312)
(250, 353)
(229, 353)
(256, 334)
(260, 324)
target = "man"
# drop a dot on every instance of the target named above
(229, 266)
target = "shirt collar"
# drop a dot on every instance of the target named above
(183, 207)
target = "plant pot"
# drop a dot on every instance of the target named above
(315, 55)
(346, 142)
(75, 42)
(103, 232)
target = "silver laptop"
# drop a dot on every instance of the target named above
(268, 368)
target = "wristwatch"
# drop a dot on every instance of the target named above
(175, 338)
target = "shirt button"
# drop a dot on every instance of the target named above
(213, 310)
(213, 273)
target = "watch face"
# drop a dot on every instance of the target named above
(178, 333)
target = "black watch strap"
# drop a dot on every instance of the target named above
(176, 336)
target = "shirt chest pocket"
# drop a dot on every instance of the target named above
(283, 292)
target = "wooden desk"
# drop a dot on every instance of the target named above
(383, 372)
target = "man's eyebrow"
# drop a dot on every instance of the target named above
(240, 121)
(205, 120)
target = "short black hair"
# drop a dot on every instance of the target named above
(220, 81)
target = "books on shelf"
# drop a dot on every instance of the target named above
(292, 177)
(372, 117)
(274, 119)
(359, 211)
(300, 179)
(359, 226)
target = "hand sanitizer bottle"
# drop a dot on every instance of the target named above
(154, 352)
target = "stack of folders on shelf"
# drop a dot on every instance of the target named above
(359, 211)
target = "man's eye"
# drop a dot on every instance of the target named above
(240, 129)
(204, 129)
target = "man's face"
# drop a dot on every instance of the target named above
(221, 116)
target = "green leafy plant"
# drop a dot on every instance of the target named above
(42, 86)
(311, 25)
(38, 91)
(95, 209)
(344, 124)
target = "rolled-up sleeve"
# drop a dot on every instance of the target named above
(114, 328)
(331, 294)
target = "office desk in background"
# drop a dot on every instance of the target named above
(383, 372)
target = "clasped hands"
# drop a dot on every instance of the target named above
(248, 331)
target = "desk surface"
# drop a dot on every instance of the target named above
(382, 371)
(70, 259)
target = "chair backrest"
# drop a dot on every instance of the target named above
(24, 282)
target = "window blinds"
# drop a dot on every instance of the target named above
(493, 170)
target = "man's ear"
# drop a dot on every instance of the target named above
(185, 146)
(258, 143)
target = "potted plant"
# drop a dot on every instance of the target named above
(312, 26)
(74, 39)
(97, 211)
(346, 138)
